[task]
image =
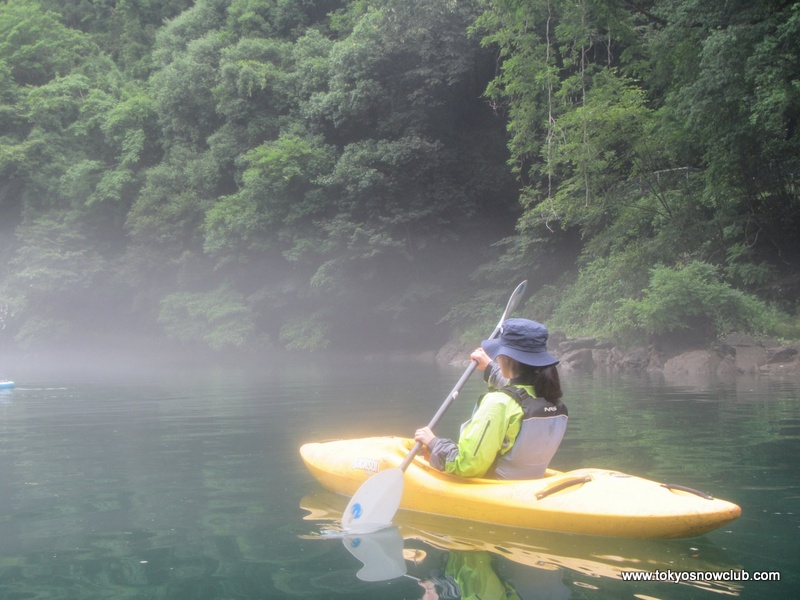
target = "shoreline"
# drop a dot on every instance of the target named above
(735, 355)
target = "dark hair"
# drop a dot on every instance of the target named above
(545, 380)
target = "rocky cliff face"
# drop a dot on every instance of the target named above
(735, 355)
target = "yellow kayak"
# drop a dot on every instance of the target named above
(587, 501)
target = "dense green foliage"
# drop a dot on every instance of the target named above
(665, 133)
(308, 173)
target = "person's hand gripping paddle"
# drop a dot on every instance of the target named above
(375, 503)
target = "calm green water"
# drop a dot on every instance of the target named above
(188, 485)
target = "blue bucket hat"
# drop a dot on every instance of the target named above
(523, 340)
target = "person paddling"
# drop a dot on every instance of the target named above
(516, 427)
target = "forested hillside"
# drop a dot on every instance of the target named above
(379, 174)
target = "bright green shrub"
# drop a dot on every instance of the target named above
(693, 301)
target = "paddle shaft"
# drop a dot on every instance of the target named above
(512, 304)
(442, 409)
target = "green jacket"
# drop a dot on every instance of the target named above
(490, 432)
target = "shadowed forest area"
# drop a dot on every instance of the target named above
(380, 174)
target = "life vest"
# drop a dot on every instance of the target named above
(541, 431)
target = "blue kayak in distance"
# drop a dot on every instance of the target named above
(6, 385)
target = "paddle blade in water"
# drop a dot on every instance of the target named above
(375, 502)
(381, 552)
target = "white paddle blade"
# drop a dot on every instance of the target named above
(374, 503)
(381, 552)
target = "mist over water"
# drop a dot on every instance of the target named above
(161, 477)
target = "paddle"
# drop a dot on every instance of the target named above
(375, 503)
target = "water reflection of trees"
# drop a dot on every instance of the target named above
(669, 432)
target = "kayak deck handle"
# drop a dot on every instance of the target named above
(683, 488)
(563, 485)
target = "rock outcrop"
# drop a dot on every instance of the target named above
(737, 354)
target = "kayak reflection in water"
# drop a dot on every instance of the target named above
(451, 574)
(474, 575)
(518, 425)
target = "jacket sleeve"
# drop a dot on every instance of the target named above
(480, 442)
(442, 451)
